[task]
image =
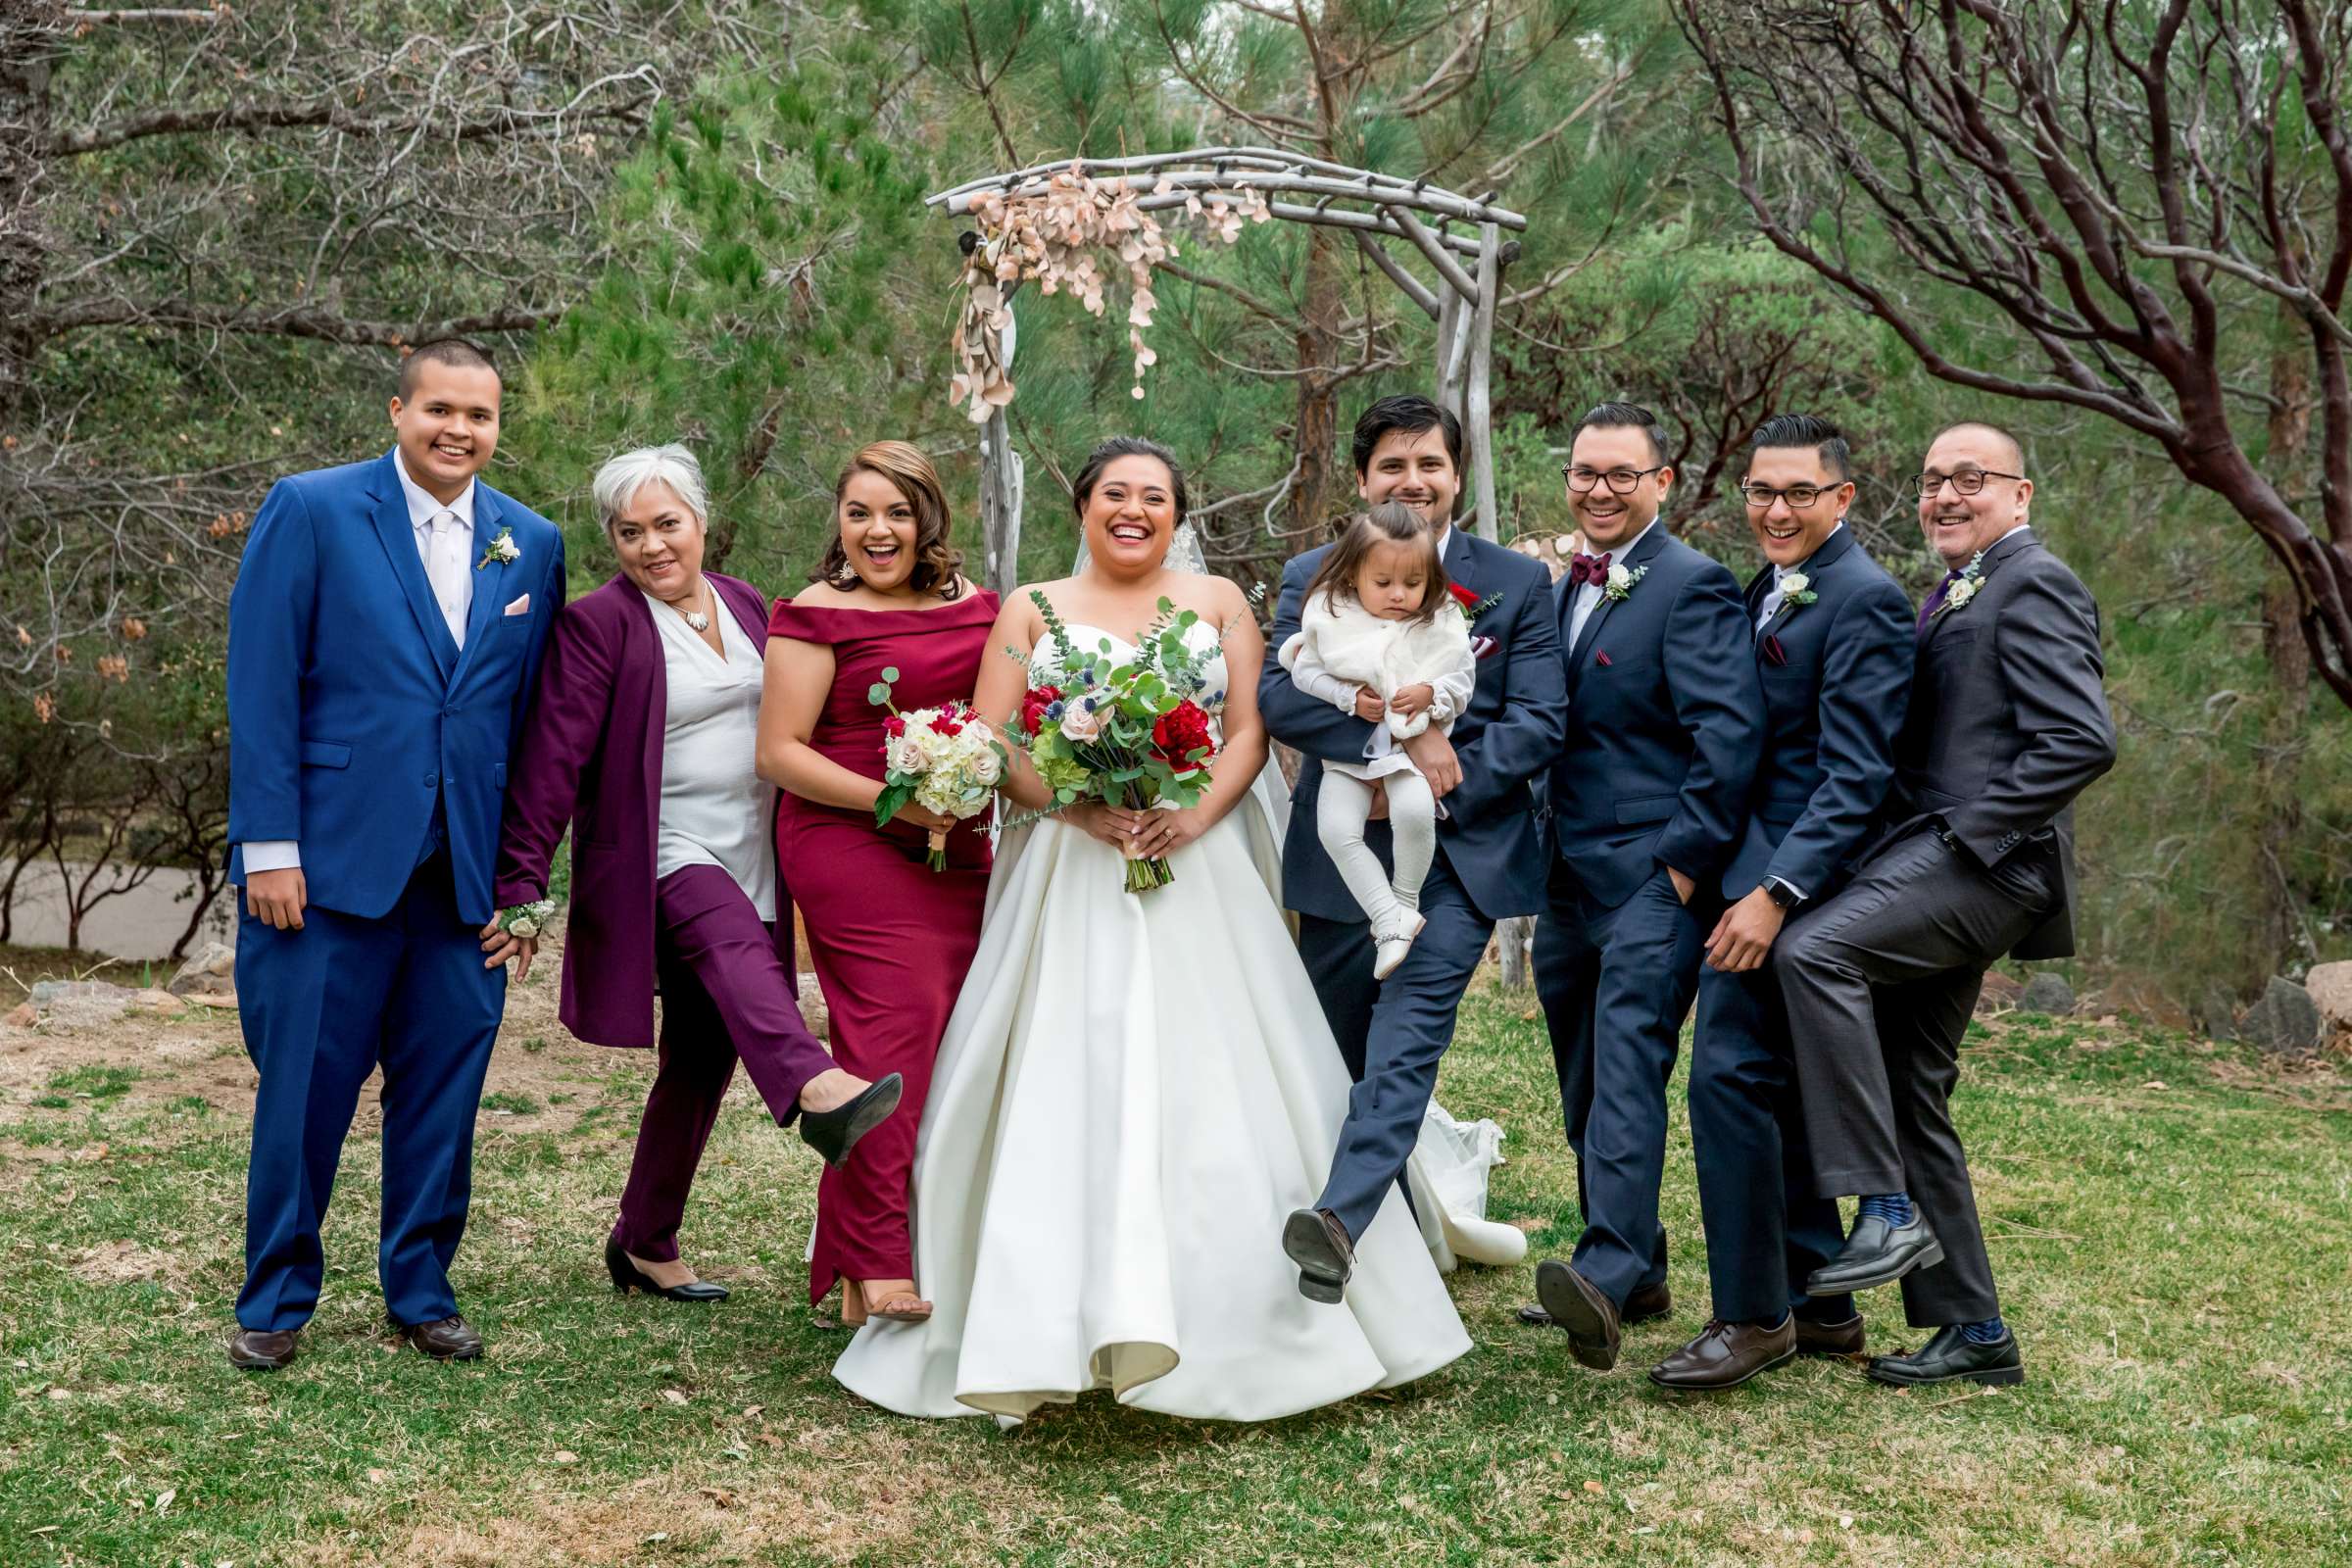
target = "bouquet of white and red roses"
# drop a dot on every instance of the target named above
(1126, 731)
(944, 759)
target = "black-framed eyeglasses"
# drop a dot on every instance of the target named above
(1968, 481)
(1799, 496)
(1621, 481)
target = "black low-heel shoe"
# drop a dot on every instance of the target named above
(627, 1277)
(834, 1133)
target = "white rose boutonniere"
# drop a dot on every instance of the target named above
(1621, 580)
(1964, 587)
(503, 549)
(1796, 588)
(526, 920)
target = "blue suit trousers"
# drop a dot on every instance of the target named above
(323, 1006)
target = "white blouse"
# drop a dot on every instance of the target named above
(715, 809)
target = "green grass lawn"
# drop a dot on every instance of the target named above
(2174, 1241)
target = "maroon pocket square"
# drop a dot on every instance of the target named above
(1602, 659)
(1483, 647)
(1775, 653)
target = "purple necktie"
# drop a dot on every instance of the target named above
(1934, 602)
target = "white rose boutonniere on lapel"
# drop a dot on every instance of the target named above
(1964, 587)
(503, 549)
(1619, 585)
(1797, 589)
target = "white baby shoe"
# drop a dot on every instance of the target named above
(1390, 951)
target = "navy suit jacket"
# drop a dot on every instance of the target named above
(1507, 737)
(1836, 679)
(1663, 724)
(351, 711)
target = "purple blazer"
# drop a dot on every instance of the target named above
(590, 759)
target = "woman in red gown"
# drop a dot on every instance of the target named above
(891, 938)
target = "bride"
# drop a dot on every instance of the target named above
(1136, 1089)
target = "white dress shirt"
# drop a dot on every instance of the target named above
(716, 810)
(445, 545)
(1587, 595)
(1776, 596)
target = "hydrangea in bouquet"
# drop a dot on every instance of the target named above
(944, 759)
(1132, 731)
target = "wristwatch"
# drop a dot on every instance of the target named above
(1781, 894)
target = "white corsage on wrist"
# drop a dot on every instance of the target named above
(526, 920)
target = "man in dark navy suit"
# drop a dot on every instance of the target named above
(1392, 1033)
(1832, 653)
(1648, 797)
(384, 638)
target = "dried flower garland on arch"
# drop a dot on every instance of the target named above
(1059, 232)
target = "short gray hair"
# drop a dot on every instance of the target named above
(619, 480)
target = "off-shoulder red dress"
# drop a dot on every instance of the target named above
(891, 939)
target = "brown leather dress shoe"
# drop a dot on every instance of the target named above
(449, 1339)
(1725, 1356)
(1585, 1310)
(1316, 1241)
(1649, 1301)
(263, 1350)
(1829, 1339)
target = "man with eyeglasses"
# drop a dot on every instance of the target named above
(2008, 723)
(1648, 797)
(1832, 640)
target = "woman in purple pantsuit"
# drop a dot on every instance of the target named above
(641, 740)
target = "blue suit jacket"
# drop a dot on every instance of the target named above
(352, 713)
(1507, 737)
(1663, 724)
(1836, 679)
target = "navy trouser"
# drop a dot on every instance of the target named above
(1616, 984)
(1767, 1229)
(322, 1007)
(1392, 1034)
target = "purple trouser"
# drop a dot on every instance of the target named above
(724, 994)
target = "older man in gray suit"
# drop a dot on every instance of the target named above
(2008, 723)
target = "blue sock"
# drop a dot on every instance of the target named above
(1990, 1332)
(1892, 1208)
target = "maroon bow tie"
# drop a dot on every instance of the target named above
(1583, 568)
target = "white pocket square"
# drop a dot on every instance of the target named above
(520, 607)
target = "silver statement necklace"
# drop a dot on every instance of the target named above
(696, 619)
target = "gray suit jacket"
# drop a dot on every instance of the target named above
(2009, 722)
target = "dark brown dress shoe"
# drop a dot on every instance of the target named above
(449, 1339)
(263, 1350)
(1727, 1354)
(1829, 1339)
(1583, 1310)
(1316, 1241)
(1648, 1302)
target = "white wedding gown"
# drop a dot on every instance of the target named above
(1133, 1092)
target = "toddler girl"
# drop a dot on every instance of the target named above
(1380, 636)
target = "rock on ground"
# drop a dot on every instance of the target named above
(213, 969)
(813, 1011)
(2331, 988)
(79, 1004)
(1999, 994)
(2047, 993)
(2285, 1022)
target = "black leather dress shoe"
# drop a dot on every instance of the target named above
(834, 1133)
(1648, 1302)
(263, 1350)
(1952, 1356)
(1876, 1253)
(1316, 1241)
(449, 1339)
(1725, 1356)
(1829, 1339)
(627, 1277)
(1583, 1310)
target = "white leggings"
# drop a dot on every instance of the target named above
(1341, 813)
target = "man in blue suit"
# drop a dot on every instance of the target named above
(1832, 652)
(1490, 853)
(1648, 797)
(384, 637)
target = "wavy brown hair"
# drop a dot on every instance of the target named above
(937, 563)
(1389, 523)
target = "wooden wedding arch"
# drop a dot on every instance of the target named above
(1460, 239)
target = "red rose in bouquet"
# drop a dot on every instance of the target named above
(1034, 702)
(1181, 732)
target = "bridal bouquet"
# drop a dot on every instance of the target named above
(944, 760)
(1123, 731)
